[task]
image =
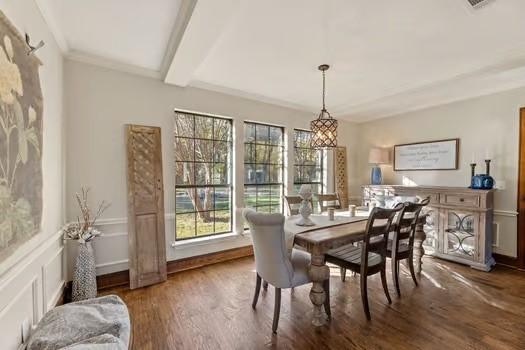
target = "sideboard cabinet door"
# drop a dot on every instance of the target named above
(460, 231)
(431, 229)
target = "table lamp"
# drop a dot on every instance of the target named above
(376, 157)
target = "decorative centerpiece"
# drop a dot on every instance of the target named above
(83, 231)
(481, 181)
(305, 192)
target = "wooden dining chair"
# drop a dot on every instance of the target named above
(293, 202)
(401, 245)
(273, 263)
(329, 200)
(368, 259)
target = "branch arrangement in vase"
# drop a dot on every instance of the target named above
(84, 229)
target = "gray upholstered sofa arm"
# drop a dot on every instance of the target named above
(99, 323)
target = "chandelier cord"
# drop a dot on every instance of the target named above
(324, 91)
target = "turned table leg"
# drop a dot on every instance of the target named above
(319, 272)
(419, 251)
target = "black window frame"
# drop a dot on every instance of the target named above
(254, 164)
(195, 186)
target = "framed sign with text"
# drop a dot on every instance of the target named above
(431, 155)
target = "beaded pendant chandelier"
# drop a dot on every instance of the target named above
(324, 128)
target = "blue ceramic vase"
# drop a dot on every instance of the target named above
(482, 182)
(375, 177)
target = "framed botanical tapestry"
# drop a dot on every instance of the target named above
(20, 140)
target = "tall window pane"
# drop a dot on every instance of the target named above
(308, 164)
(203, 175)
(263, 167)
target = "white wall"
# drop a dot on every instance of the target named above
(99, 102)
(485, 122)
(32, 278)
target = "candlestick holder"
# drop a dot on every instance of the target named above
(482, 181)
(473, 169)
(487, 163)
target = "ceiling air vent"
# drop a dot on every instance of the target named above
(478, 3)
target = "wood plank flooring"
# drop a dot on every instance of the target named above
(454, 307)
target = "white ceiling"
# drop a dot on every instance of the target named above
(130, 32)
(386, 57)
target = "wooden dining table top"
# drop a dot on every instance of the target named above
(324, 234)
(339, 233)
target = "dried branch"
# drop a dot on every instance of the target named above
(84, 229)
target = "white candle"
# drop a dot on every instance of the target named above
(473, 158)
(487, 153)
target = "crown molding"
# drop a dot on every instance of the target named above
(254, 96)
(432, 96)
(508, 61)
(52, 25)
(83, 57)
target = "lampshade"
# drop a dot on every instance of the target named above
(379, 156)
(324, 133)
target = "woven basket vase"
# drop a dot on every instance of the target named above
(84, 275)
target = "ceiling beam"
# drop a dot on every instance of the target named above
(205, 24)
(181, 23)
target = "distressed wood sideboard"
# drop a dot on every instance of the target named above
(459, 220)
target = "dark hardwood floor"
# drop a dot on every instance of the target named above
(454, 307)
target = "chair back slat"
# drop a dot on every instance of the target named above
(406, 223)
(330, 200)
(377, 230)
(293, 203)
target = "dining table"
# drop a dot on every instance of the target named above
(328, 234)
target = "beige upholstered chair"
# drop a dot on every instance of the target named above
(329, 200)
(273, 263)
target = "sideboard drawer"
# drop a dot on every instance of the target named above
(467, 200)
(434, 197)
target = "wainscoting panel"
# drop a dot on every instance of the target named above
(111, 249)
(53, 279)
(29, 289)
(505, 238)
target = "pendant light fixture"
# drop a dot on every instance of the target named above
(324, 128)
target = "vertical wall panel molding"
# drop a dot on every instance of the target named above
(48, 303)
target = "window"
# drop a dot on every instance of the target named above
(308, 164)
(263, 167)
(203, 177)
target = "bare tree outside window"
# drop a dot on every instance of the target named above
(263, 167)
(203, 161)
(308, 164)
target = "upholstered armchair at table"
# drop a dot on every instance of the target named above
(273, 262)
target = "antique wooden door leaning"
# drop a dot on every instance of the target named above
(340, 176)
(146, 239)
